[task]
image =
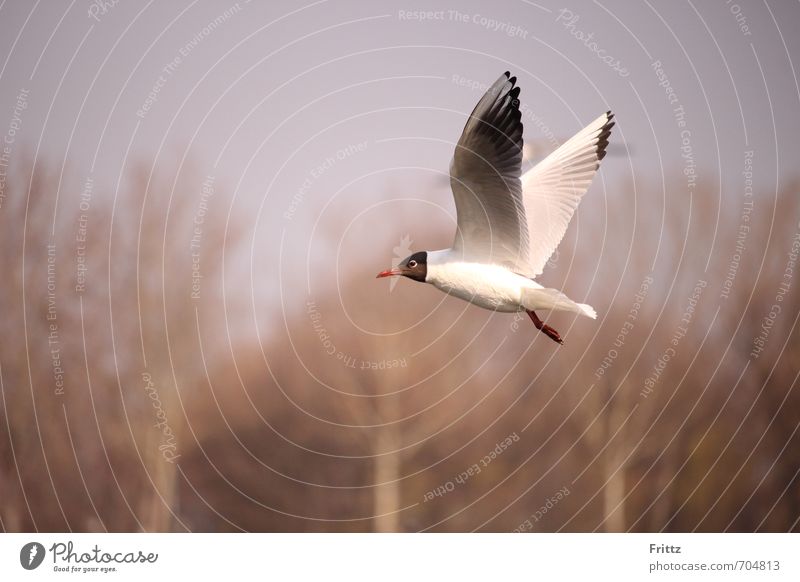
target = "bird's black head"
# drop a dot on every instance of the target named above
(414, 267)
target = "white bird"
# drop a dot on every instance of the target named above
(509, 225)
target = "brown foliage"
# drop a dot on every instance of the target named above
(274, 433)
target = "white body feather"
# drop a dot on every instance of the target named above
(495, 287)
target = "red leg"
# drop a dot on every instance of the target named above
(544, 328)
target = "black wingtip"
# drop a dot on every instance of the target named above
(507, 74)
(605, 133)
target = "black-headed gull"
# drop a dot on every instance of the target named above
(509, 225)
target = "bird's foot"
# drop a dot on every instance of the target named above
(552, 334)
(544, 328)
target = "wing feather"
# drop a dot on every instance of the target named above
(554, 187)
(485, 179)
(506, 220)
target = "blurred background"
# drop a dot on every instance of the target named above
(195, 198)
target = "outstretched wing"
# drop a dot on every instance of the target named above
(553, 188)
(485, 179)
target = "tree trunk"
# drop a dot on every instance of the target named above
(161, 502)
(386, 493)
(614, 472)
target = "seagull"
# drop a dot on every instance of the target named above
(509, 223)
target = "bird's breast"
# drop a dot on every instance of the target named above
(488, 286)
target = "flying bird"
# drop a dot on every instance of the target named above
(509, 223)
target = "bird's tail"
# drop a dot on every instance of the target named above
(554, 299)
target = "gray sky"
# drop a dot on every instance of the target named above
(258, 64)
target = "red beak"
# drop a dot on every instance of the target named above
(389, 273)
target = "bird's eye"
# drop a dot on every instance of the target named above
(412, 264)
